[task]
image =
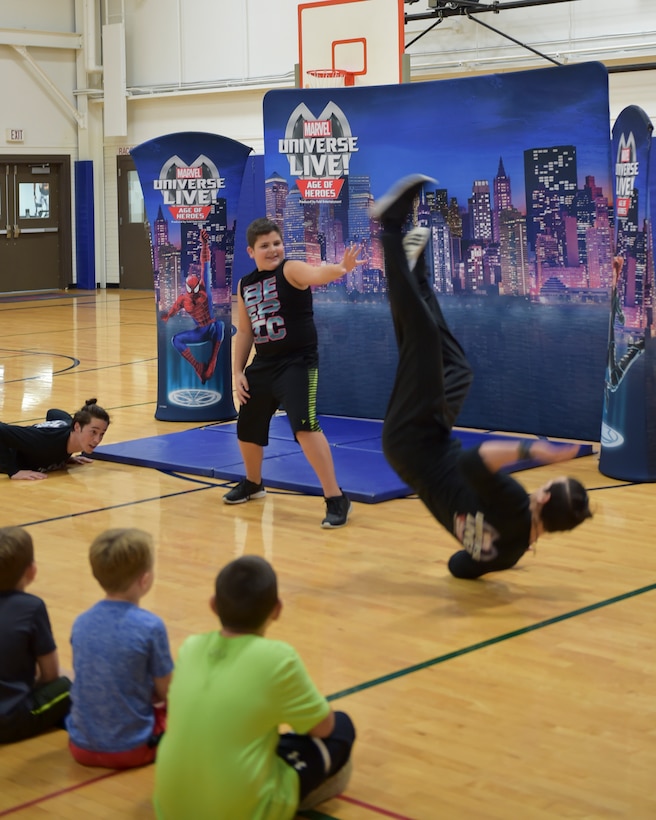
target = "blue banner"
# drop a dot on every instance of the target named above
(520, 246)
(191, 184)
(628, 435)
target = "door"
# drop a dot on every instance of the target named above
(134, 257)
(35, 228)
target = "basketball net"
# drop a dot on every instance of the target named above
(328, 78)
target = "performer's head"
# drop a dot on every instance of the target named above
(566, 506)
(265, 244)
(90, 424)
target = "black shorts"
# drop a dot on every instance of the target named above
(290, 383)
(316, 759)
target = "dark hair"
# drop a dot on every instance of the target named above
(246, 593)
(567, 507)
(91, 410)
(16, 555)
(261, 227)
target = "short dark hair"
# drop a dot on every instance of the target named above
(91, 410)
(261, 227)
(246, 593)
(16, 555)
(567, 507)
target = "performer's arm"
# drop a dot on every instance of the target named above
(242, 344)
(301, 275)
(498, 454)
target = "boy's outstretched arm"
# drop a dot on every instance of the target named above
(301, 275)
(498, 454)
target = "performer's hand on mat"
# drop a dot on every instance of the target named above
(241, 388)
(28, 475)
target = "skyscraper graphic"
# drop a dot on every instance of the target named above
(161, 236)
(550, 179)
(275, 196)
(502, 198)
(513, 251)
(480, 211)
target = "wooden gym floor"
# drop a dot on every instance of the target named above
(529, 694)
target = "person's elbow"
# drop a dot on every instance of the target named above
(161, 687)
(325, 728)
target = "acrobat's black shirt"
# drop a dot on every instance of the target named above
(487, 512)
(41, 448)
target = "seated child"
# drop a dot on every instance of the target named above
(33, 696)
(121, 660)
(222, 757)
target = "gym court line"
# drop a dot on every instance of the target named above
(466, 650)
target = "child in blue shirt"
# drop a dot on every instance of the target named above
(121, 659)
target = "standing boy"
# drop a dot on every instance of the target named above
(222, 756)
(121, 659)
(490, 513)
(275, 314)
(33, 696)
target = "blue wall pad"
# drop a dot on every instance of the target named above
(213, 451)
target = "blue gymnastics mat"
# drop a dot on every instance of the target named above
(213, 452)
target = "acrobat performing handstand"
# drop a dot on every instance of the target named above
(489, 513)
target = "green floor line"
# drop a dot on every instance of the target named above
(489, 642)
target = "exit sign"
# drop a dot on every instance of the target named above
(15, 135)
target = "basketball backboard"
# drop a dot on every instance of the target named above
(363, 38)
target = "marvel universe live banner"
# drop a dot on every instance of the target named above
(191, 184)
(520, 249)
(628, 440)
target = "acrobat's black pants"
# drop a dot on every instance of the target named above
(432, 379)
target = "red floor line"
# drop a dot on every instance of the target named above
(376, 809)
(51, 795)
(67, 789)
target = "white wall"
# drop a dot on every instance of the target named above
(206, 64)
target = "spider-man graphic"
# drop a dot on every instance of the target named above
(197, 304)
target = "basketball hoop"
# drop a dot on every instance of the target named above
(329, 78)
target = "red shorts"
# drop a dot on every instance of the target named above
(131, 759)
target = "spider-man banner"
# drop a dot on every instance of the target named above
(628, 435)
(191, 184)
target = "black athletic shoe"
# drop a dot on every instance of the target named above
(414, 243)
(338, 509)
(244, 491)
(395, 205)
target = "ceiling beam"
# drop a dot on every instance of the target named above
(453, 8)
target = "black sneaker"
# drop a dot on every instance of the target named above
(338, 509)
(244, 491)
(414, 243)
(395, 205)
